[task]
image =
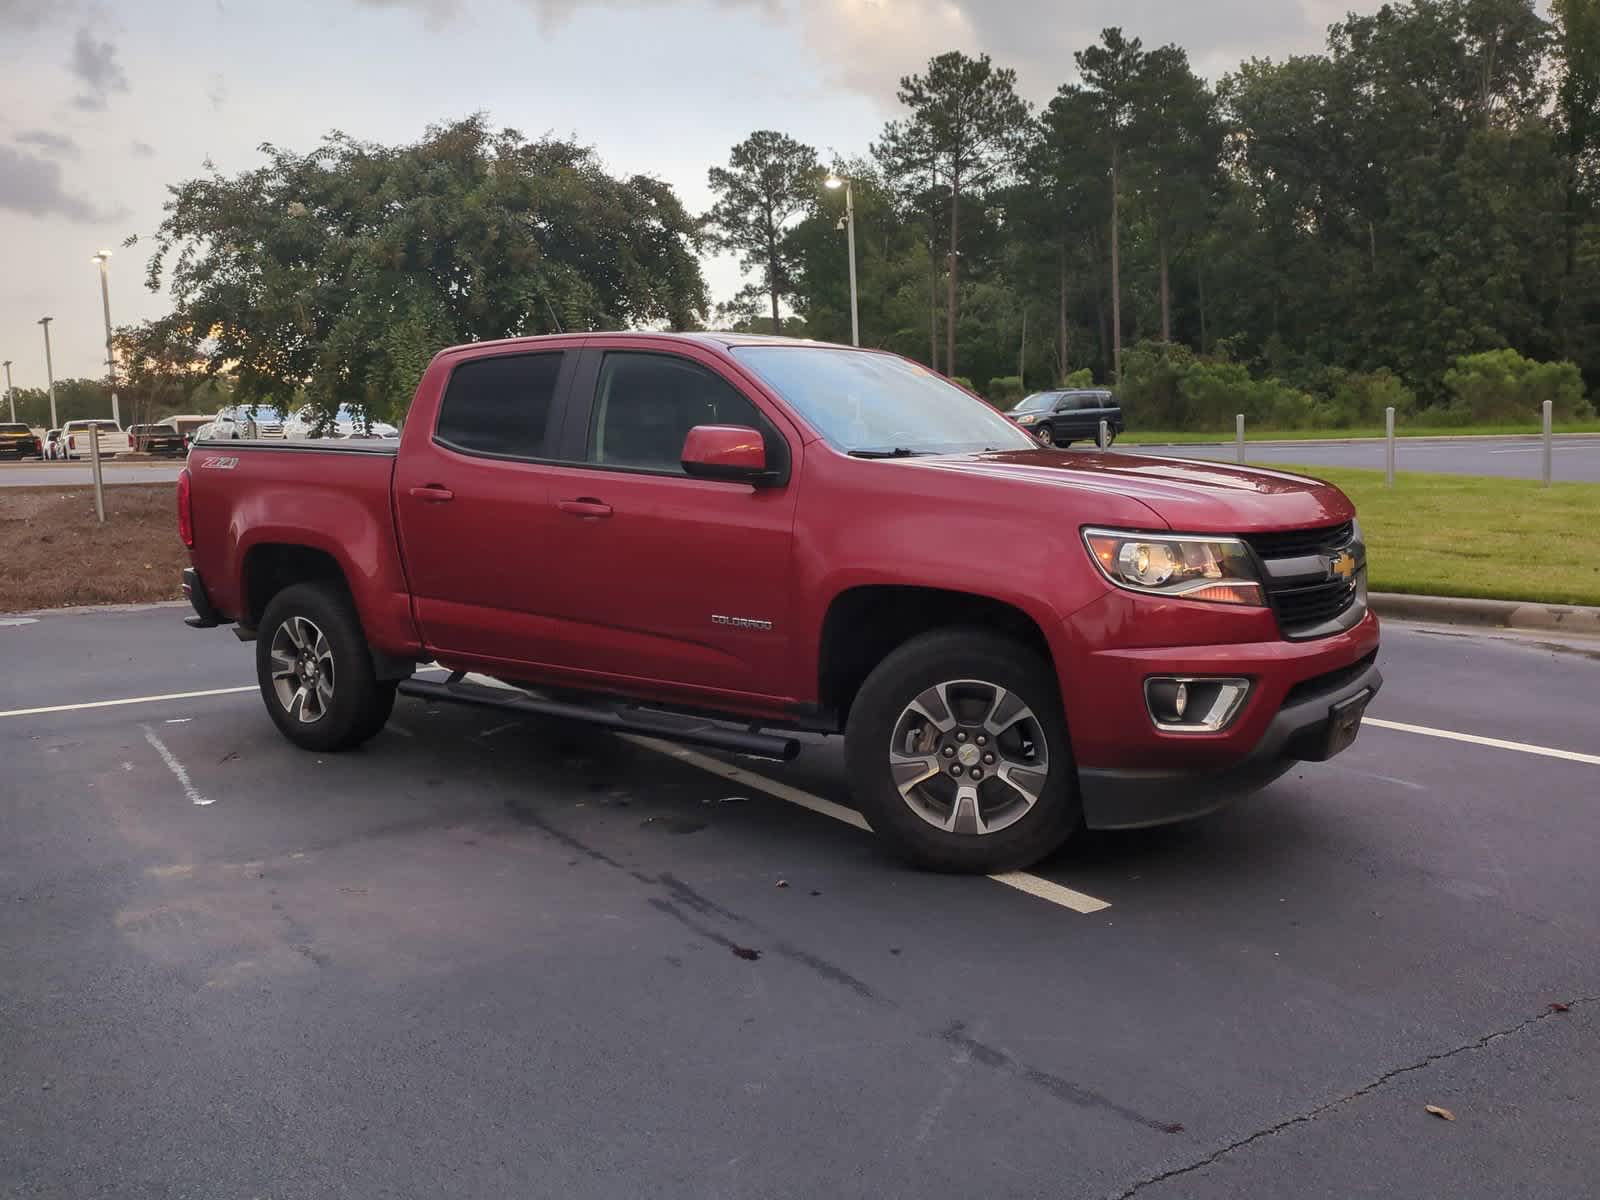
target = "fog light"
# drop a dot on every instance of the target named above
(1194, 705)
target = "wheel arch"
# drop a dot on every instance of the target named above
(866, 623)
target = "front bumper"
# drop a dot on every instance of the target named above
(1132, 797)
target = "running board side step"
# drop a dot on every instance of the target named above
(700, 733)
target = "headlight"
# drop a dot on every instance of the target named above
(1218, 569)
(1027, 419)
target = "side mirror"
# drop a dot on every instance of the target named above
(725, 452)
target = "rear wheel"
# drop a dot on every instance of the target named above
(315, 670)
(958, 754)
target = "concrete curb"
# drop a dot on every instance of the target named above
(1400, 440)
(1501, 614)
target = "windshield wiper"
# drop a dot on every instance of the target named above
(893, 452)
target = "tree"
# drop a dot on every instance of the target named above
(342, 271)
(967, 128)
(769, 180)
(1111, 77)
(1180, 143)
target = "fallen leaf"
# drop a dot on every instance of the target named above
(745, 953)
(1557, 1006)
(783, 883)
(1442, 1113)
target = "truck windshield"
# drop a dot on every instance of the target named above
(861, 401)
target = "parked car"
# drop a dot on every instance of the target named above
(112, 440)
(186, 424)
(20, 440)
(1059, 418)
(204, 433)
(303, 424)
(156, 439)
(55, 445)
(1015, 641)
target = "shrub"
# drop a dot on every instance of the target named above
(1503, 386)
(1360, 399)
(1004, 390)
(1150, 389)
(1083, 377)
(962, 381)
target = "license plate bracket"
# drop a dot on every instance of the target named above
(1344, 722)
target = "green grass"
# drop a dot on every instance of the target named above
(1469, 535)
(1188, 436)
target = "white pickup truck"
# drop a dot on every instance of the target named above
(77, 433)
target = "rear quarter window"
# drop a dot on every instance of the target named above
(501, 405)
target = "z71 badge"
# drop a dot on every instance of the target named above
(218, 463)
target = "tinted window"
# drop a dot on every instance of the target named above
(645, 405)
(13, 429)
(500, 405)
(1094, 400)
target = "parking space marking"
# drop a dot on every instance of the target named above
(1476, 740)
(1022, 881)
(176, 767)
(55, 708)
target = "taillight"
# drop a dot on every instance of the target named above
(185, 511)
(72, 441)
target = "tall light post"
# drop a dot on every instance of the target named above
(104, 259)
(837, 181)
(11, 392)
(49, 372)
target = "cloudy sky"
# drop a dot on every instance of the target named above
(105, 104)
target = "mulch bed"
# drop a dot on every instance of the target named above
(53, 553)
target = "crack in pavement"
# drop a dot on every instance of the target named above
(1307, 1117)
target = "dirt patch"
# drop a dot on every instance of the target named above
(53, 552)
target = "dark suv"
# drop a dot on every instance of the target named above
(1062, 417)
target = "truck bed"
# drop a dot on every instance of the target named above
(257, 503)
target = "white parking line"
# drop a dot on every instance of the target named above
(1496, 743)
(1034, 885)
(176, 767)
(55, 708)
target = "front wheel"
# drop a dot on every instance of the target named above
(1046, 435)
(315, 670)
(958, 754)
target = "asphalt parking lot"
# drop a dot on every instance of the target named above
(493, 957)
(1574, 459)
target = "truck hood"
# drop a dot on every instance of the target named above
(1187, 495)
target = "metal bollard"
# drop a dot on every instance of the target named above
(1549, 441)
(1104, 438)
(1388, 446)
(94, 465)
(1239, 434)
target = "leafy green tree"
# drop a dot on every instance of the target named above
(343, 270)
(967, 127)
(770, 179)
(1111, 74)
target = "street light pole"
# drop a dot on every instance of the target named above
(834, 181)
(49, 371)
(104, 258)
(11, 392)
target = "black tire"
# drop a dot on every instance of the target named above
(360, 704)
(1046, 435)
(920, 664)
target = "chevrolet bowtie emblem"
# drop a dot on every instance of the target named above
(1344, 566)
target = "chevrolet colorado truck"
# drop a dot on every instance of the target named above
(728, 539)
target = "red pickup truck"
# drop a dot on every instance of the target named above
(726, 539)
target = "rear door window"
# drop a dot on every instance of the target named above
(501, 406)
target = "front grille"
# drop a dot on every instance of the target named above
(1305, 606)
(1331, 682)
(1295, 543)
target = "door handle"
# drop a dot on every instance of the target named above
(585, 507)
(433, 494)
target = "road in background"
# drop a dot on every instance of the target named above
(74, 474)
(1577, 459)
(497, 956)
